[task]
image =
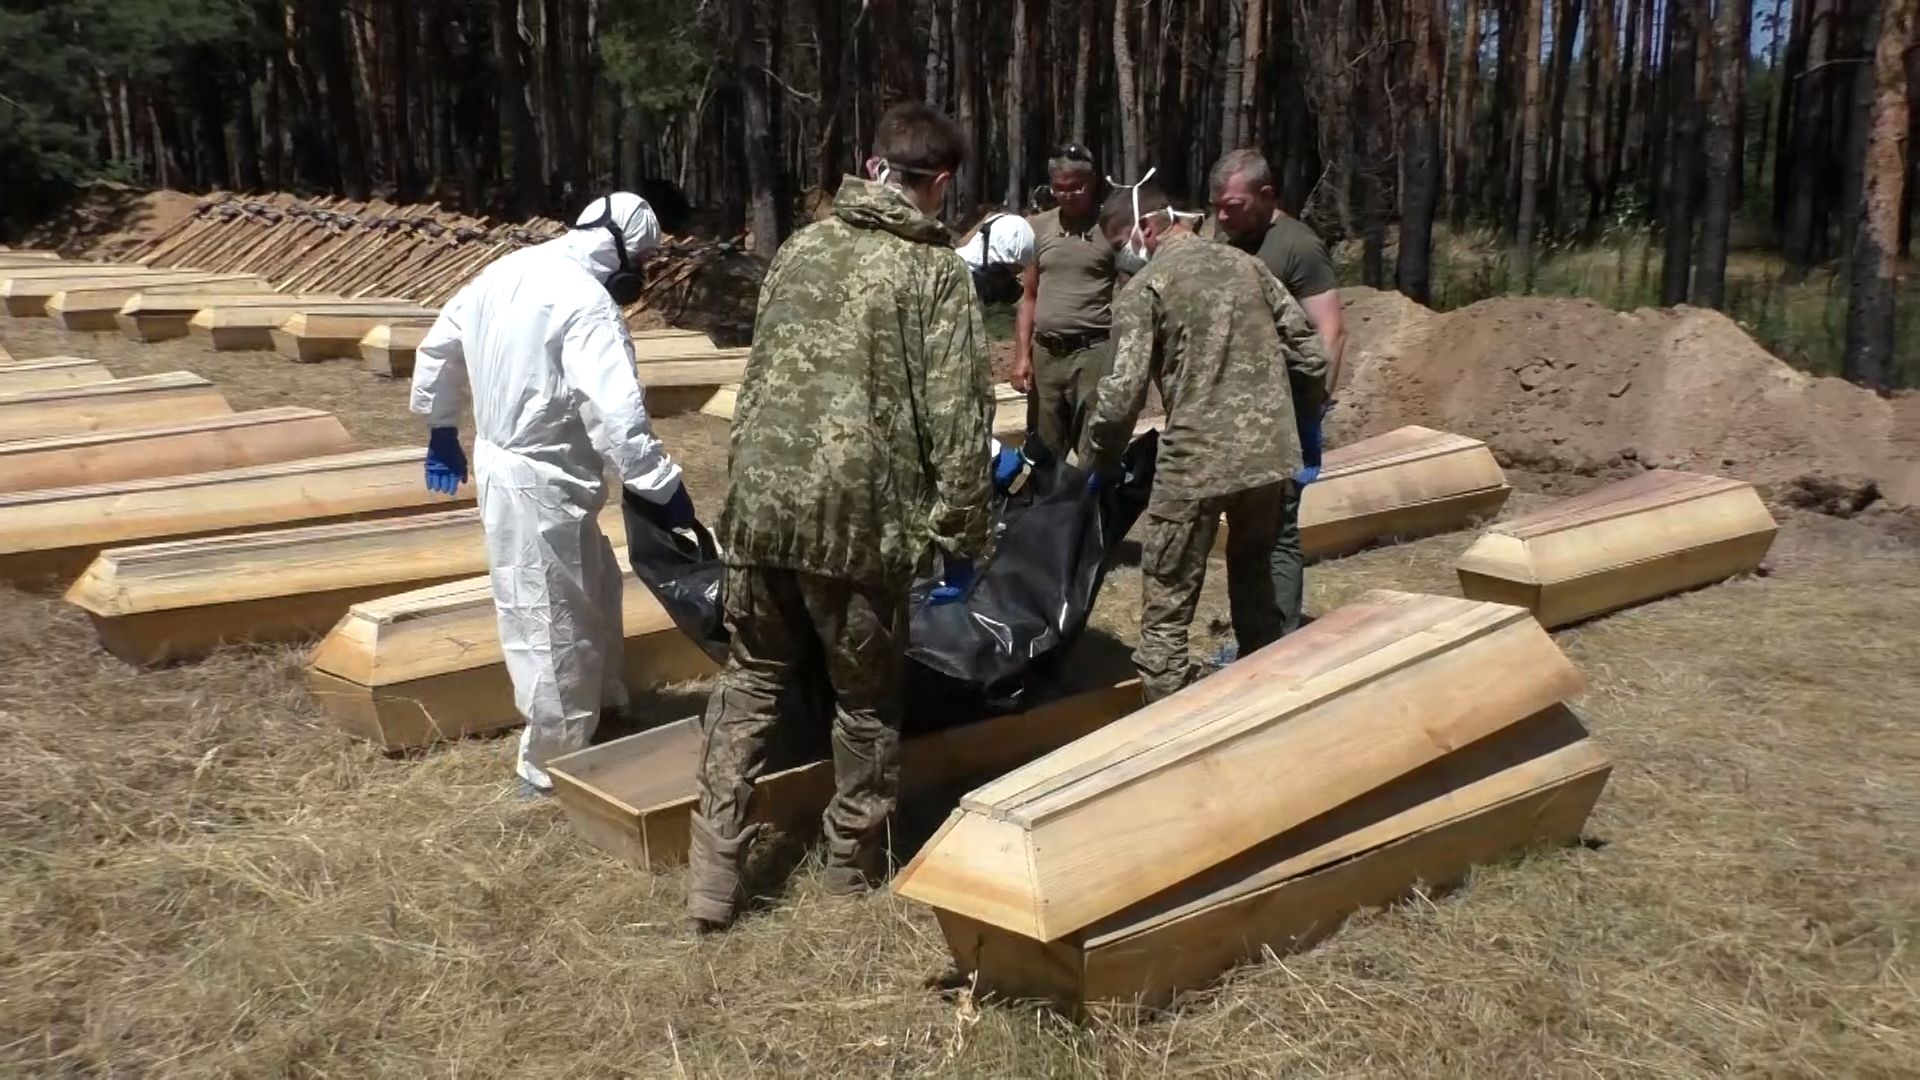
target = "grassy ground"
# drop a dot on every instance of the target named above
(200, 877)
(1803, 323)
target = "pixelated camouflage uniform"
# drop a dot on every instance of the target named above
(1228, 347)
(859, 439)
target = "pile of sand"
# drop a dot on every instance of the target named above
(1558, 385)
(105, 220)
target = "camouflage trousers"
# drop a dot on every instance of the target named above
(1263, 583)
(786, 627)
(1065, 388)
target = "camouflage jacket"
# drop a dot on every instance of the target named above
(860, 432)
(1228, 347)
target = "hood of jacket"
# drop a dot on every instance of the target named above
(592, 247)
(865, 204)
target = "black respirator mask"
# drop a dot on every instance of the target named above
(626, 282)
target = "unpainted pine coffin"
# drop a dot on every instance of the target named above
(32, 257)
(634, 798)
(333, 334)
(1410, 482)
(684, 384)
(388, 348)
(671, 343)
(416, 668)
(1009, 410)
(5, 356)
(1529, 786)
(251, 326)
(111, 405)
(1640, 539)
(60, 530)
(26, 297)
(722, 403)
(162, 316)
(96, 307)
(50, 373)
(1351, 704)
(180, 600)
(231, 441)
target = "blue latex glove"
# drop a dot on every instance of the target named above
(679, 509)
(1310, 445)
(1009, 470)
(955, 579)
(446, 462)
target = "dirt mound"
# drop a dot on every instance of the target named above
(106, 219)
(1569, 386)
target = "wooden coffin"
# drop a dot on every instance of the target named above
(50, 373)
(1653, 535)
(1407, 483)
(189, 446)
(162, 316)
(26, 293)
(180, 600)
(669, 343)
(109, 406)
(251, 326)
(332, 334)
(97, 307)
(5, 356)
(30, 257)
(722, 403)
(387, 349)
(60, 530)
(684, 385)
(634, 798)
(1351, 706)
(1009, 409)
(417, 668)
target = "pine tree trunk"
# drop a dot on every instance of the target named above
(1420, 147)
(1683, 152)
(328, 40)
(1529, 143)
(1784, 122)
(832, 150)
(1857, 90)
(1233, 35)
(1018, 102)
(1253, 34)
(970, 187)
(938, 69)
(1730, 34)
(521, 136)
(246, 131)
(758, 137)
(1507, 92)
(1463, 115)
(1600, 81)
(1805, 232)
(1083, 69)
(1566, 28)
(1123, 72)
(1871, 292)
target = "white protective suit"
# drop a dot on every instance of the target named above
(551, 366)
(1002, 238)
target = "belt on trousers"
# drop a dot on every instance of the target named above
(1066, 343)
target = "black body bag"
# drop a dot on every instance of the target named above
(997, 650)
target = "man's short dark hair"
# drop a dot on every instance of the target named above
(915, 135)
(1118, 209)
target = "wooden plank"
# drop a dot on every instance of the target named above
(50, 373)
(686, 385)
(671, 343)
(1354, 702)
(331, 334)
(229, 441)
(96, 308)
(252, 326)
(634, 798)
(1640, 539)
(108, 406)
(59, 531)
(10, 257)
(1010, 409)
(416, 668)
(162, 316)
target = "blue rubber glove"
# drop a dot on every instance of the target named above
(955, 579)
(1009, 470)
(1310, 445)
(446, 462)
(679, 509)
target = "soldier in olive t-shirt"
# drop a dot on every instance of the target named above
(1060, 350)
(1294, 254)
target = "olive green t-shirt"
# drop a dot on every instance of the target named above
(1076, 277)
(1295, 255)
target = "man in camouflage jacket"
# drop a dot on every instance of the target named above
(1230, 350)
(860, 439)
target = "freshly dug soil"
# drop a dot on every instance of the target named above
(1558, 385)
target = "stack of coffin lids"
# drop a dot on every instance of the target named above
(1395, 743)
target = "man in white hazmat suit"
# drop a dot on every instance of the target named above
(540, 338)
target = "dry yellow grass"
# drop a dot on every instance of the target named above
(199, 877)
